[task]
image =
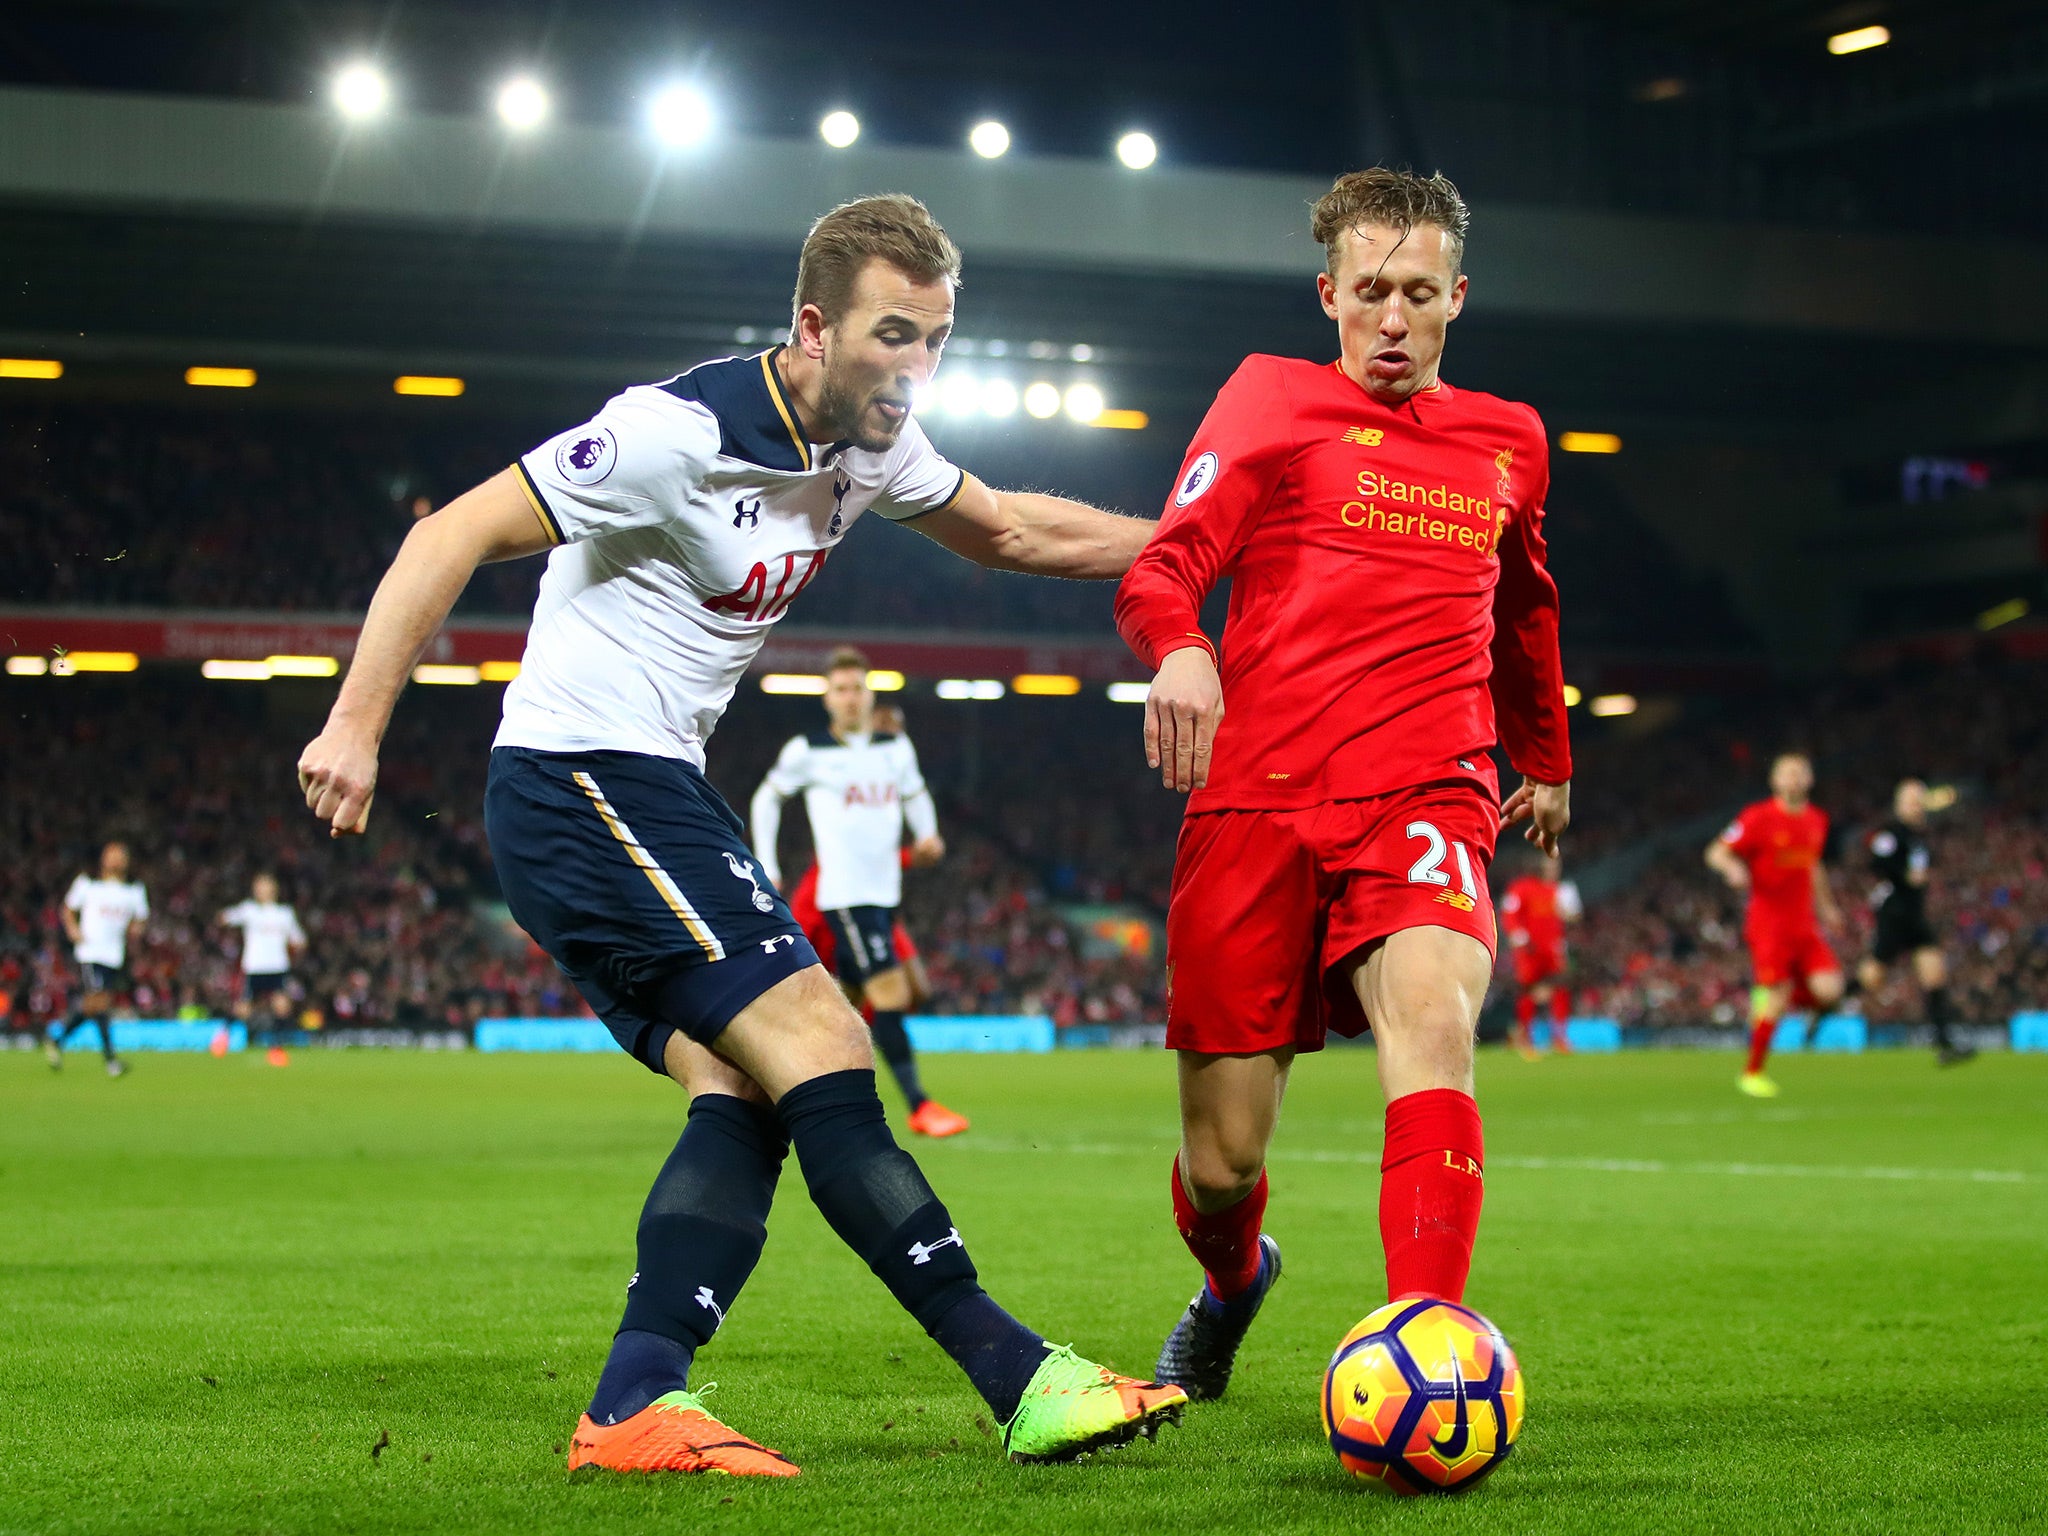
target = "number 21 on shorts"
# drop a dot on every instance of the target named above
(1429, 869)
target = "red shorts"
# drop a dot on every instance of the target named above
(1537, 963)
(1268, 905)
(1781, 954)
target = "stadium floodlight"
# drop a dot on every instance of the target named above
(793, 682)
(885, 680)
(30, 368)
(681, 116)
(1137, 150)
(523, 104)
(1042, 400)
(225, 671)
(1589, 442)
(960, 394)
(1122, 421)
(839, 129)
(498, 671)
(221, 378)
(1609, 705)
(1129, 693)
(969, 688)
(1572, 696)
(1858, 40)
(28, 666)
(999, 398)
(360, 91)
(1083, 403)
(990, 139)
(95, 661)
(1049, 685)
(302, 666)
(433, 673)
(427, 384)
(1998, 616)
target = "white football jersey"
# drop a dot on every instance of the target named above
(858, 791)
(269, 930)
(690, 514)
(105, 908)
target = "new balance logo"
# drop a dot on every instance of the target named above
(1457, 899)
(921, 1253)
(763, 902)
(1368, 437)
(748, 512)
(710, 1304)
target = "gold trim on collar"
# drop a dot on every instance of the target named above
(782, 406)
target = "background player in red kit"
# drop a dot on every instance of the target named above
(1382, 531)
(1773, 850)
(1534, 910)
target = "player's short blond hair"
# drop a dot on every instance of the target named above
(893, 227)
(1397, 199)
(847, 658)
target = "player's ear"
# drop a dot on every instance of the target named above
(809, 336)
(1326, 290)
(1457, 303)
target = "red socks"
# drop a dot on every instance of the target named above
(1432, 1184)
(1226, 1242)
(1760, 1035)
(1525, 1010)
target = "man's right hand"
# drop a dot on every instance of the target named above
(338, 775)
(1181, 716)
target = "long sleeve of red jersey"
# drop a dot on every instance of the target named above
(1528, 669)
(1233, 467)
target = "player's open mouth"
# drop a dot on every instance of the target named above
(1389, 363)
(892, 410)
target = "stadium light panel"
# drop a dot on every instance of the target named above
(1588, 442)
(498, 671)
(523, 104)
(990, 140)
(236, 671)
(30, 368)
(433, 673)
(360, 92)
(1042, 400)
(885, 680)
(1049, 685)
(1608, 705)
(999, 399)
(221, 378)
(1129, 693)
(1137, 150)
(94, 661)
(427, 384)
(839, 129)
(1859, 39)
(302, 666)
(2005, 613)
(1122, 421)
(681, 117)
(793, 682)
(969, 688)
(1083, 403)
(28, 666)
(1572, 696)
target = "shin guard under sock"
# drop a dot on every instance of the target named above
(1432, 1184)
(1226, 1242)
(893, 1041)
(877, 1200)
(700, 1236)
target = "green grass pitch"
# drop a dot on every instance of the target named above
(221, 1285)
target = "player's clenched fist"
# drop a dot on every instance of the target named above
(1181, 716)
(338, 775)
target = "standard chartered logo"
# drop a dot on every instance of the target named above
(1472, 522)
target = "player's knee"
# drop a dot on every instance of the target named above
(1219, 1170)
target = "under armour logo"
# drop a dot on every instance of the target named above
(706, 1301)
(748, 512)
(768, 945)
(921, 1253)
(763, 902)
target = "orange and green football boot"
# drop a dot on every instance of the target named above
(672, 1434)
(1074, 1406)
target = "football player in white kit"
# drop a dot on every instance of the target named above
(860, 786)
(688, 515)
(102, 916)
(271, 937)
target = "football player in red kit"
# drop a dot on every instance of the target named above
(1390, 619)
(1773, 851)
(1534, 910)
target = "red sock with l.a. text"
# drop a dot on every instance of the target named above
(1761, 1033)
(1432, 1184)
(1226, 1242)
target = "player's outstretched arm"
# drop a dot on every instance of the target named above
(496, 521)
(1037, 535)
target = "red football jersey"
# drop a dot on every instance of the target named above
(1388, 592)
(1781, 848)
(1532, 914)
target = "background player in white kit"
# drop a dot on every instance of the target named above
(690, 514)
(860, 786)
(103, 914)
(271, 938)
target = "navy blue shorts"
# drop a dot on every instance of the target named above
(865, 941)
(636, 877)
(101, 978)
